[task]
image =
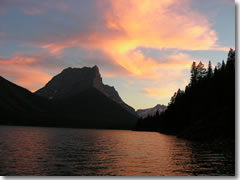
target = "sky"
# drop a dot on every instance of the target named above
(143, 48)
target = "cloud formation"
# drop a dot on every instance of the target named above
(20, 69)
(167, 24)
(31, 71)
(113, 32)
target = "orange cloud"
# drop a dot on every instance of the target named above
(159, 24)
(177, 61)
(154, 24)
(124, 27)
(164, 92)
(23, 73)
(17, 60)
(150, 24)
(53, 48)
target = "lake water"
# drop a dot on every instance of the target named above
(59, 151)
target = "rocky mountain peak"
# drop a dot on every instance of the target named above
(72, 81)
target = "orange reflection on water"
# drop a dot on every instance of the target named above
(59, 151)
(27, 150)
(141, 154)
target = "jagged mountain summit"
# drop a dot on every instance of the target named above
(76, 97)
(151, 111)
(72, 81)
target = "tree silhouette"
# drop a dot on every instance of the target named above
(223, 67)
(201, 71)
(157, 114)
(210, 70)
(206, 109)
(193, 80)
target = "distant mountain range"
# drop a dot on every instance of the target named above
(74, 98)
(151, 111)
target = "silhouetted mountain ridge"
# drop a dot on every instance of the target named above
(72, 81)
(87, 108)
(16, 98)
(151, 111)
(113, 94)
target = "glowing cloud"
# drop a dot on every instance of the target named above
(153, 24)
(17, 60)
(20, 69)
(54, 49)
(156, 24)
(119, 30)
(160, 93)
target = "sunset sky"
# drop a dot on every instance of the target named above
(144, 48)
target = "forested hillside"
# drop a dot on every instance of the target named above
(205, 109)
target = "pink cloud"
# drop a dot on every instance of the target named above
(17, 60)
(161, 92)
(126, 25)
(23, 71)
(151, 24)
(3, 34)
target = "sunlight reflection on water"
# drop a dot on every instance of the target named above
(59, 151)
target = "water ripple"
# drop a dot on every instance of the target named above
(59, 151)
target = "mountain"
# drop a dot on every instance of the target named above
(151, 111)
(16, 98)
(67, 104)
(72, 81)
(92, 109)
(17, 103)
(113, 94)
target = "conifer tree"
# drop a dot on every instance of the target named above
(157, 114)
(193, 79)
(201, 71)
(223, 67)
(210, 70)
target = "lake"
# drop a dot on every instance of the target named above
(58, 151)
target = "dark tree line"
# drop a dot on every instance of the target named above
(205, 109)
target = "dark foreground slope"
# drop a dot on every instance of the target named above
(87, 109)
(18, 105)
(205, 110)
(92, 109)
